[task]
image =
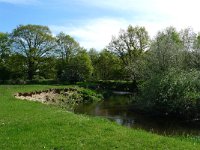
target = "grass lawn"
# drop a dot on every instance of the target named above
(32, 125)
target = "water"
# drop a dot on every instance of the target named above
(119, 108)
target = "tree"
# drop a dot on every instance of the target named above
(109, 66)
(191, 49)
(79, 68)
(188, 39)
(67, 47)
(130, 46)
(4, 56)
(94, 57)
(5, 45)
(82, 66)
(195, 54)
(47, 68)
(18, 70)
(34, 42)
(165, 51)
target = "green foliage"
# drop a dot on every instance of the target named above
(171, 74)
(129, 46)
(5, 71)
(74, 63)
(109, 85)
(79, 68)
(165, 51)
(109, 66)
(47, 68)
(5, 45)
(33, 42)
(90, 96)
(106, 66)
(17, 65)
(67, 47)
(175, 93)
(31, 52)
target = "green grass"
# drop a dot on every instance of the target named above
(32, 125)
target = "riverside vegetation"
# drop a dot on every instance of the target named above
(32, 125)
(147, 64)
(163, 72)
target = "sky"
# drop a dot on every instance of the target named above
(93, 22)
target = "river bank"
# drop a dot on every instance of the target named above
(32, 125)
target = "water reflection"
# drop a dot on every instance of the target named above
(119, 108)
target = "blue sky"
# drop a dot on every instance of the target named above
(93, 22)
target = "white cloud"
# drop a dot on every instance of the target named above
(155, 15)
(178, 12)
(163, 6)
(98, 33)
(94, 33)
(26, 2)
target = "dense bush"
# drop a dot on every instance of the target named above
(4, 73)
(173, 93)
(79, 68)
(109, 85)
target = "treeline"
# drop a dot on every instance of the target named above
(164, 70)
(31, 52)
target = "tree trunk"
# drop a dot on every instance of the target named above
(31, 70)
(134, 86)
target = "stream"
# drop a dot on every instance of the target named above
(118, 108)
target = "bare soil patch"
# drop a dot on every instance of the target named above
(52, 96)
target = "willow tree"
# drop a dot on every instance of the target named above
(34, 42)
(190, 42)
(165, 51)
(196, 53)
(130, 46)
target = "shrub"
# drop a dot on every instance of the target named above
(173, 93)
(90, 96)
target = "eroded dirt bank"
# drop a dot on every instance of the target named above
(49, 96)
(67, 97)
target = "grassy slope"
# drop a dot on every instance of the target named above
(31, 125)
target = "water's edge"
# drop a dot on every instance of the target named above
(118, 107)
